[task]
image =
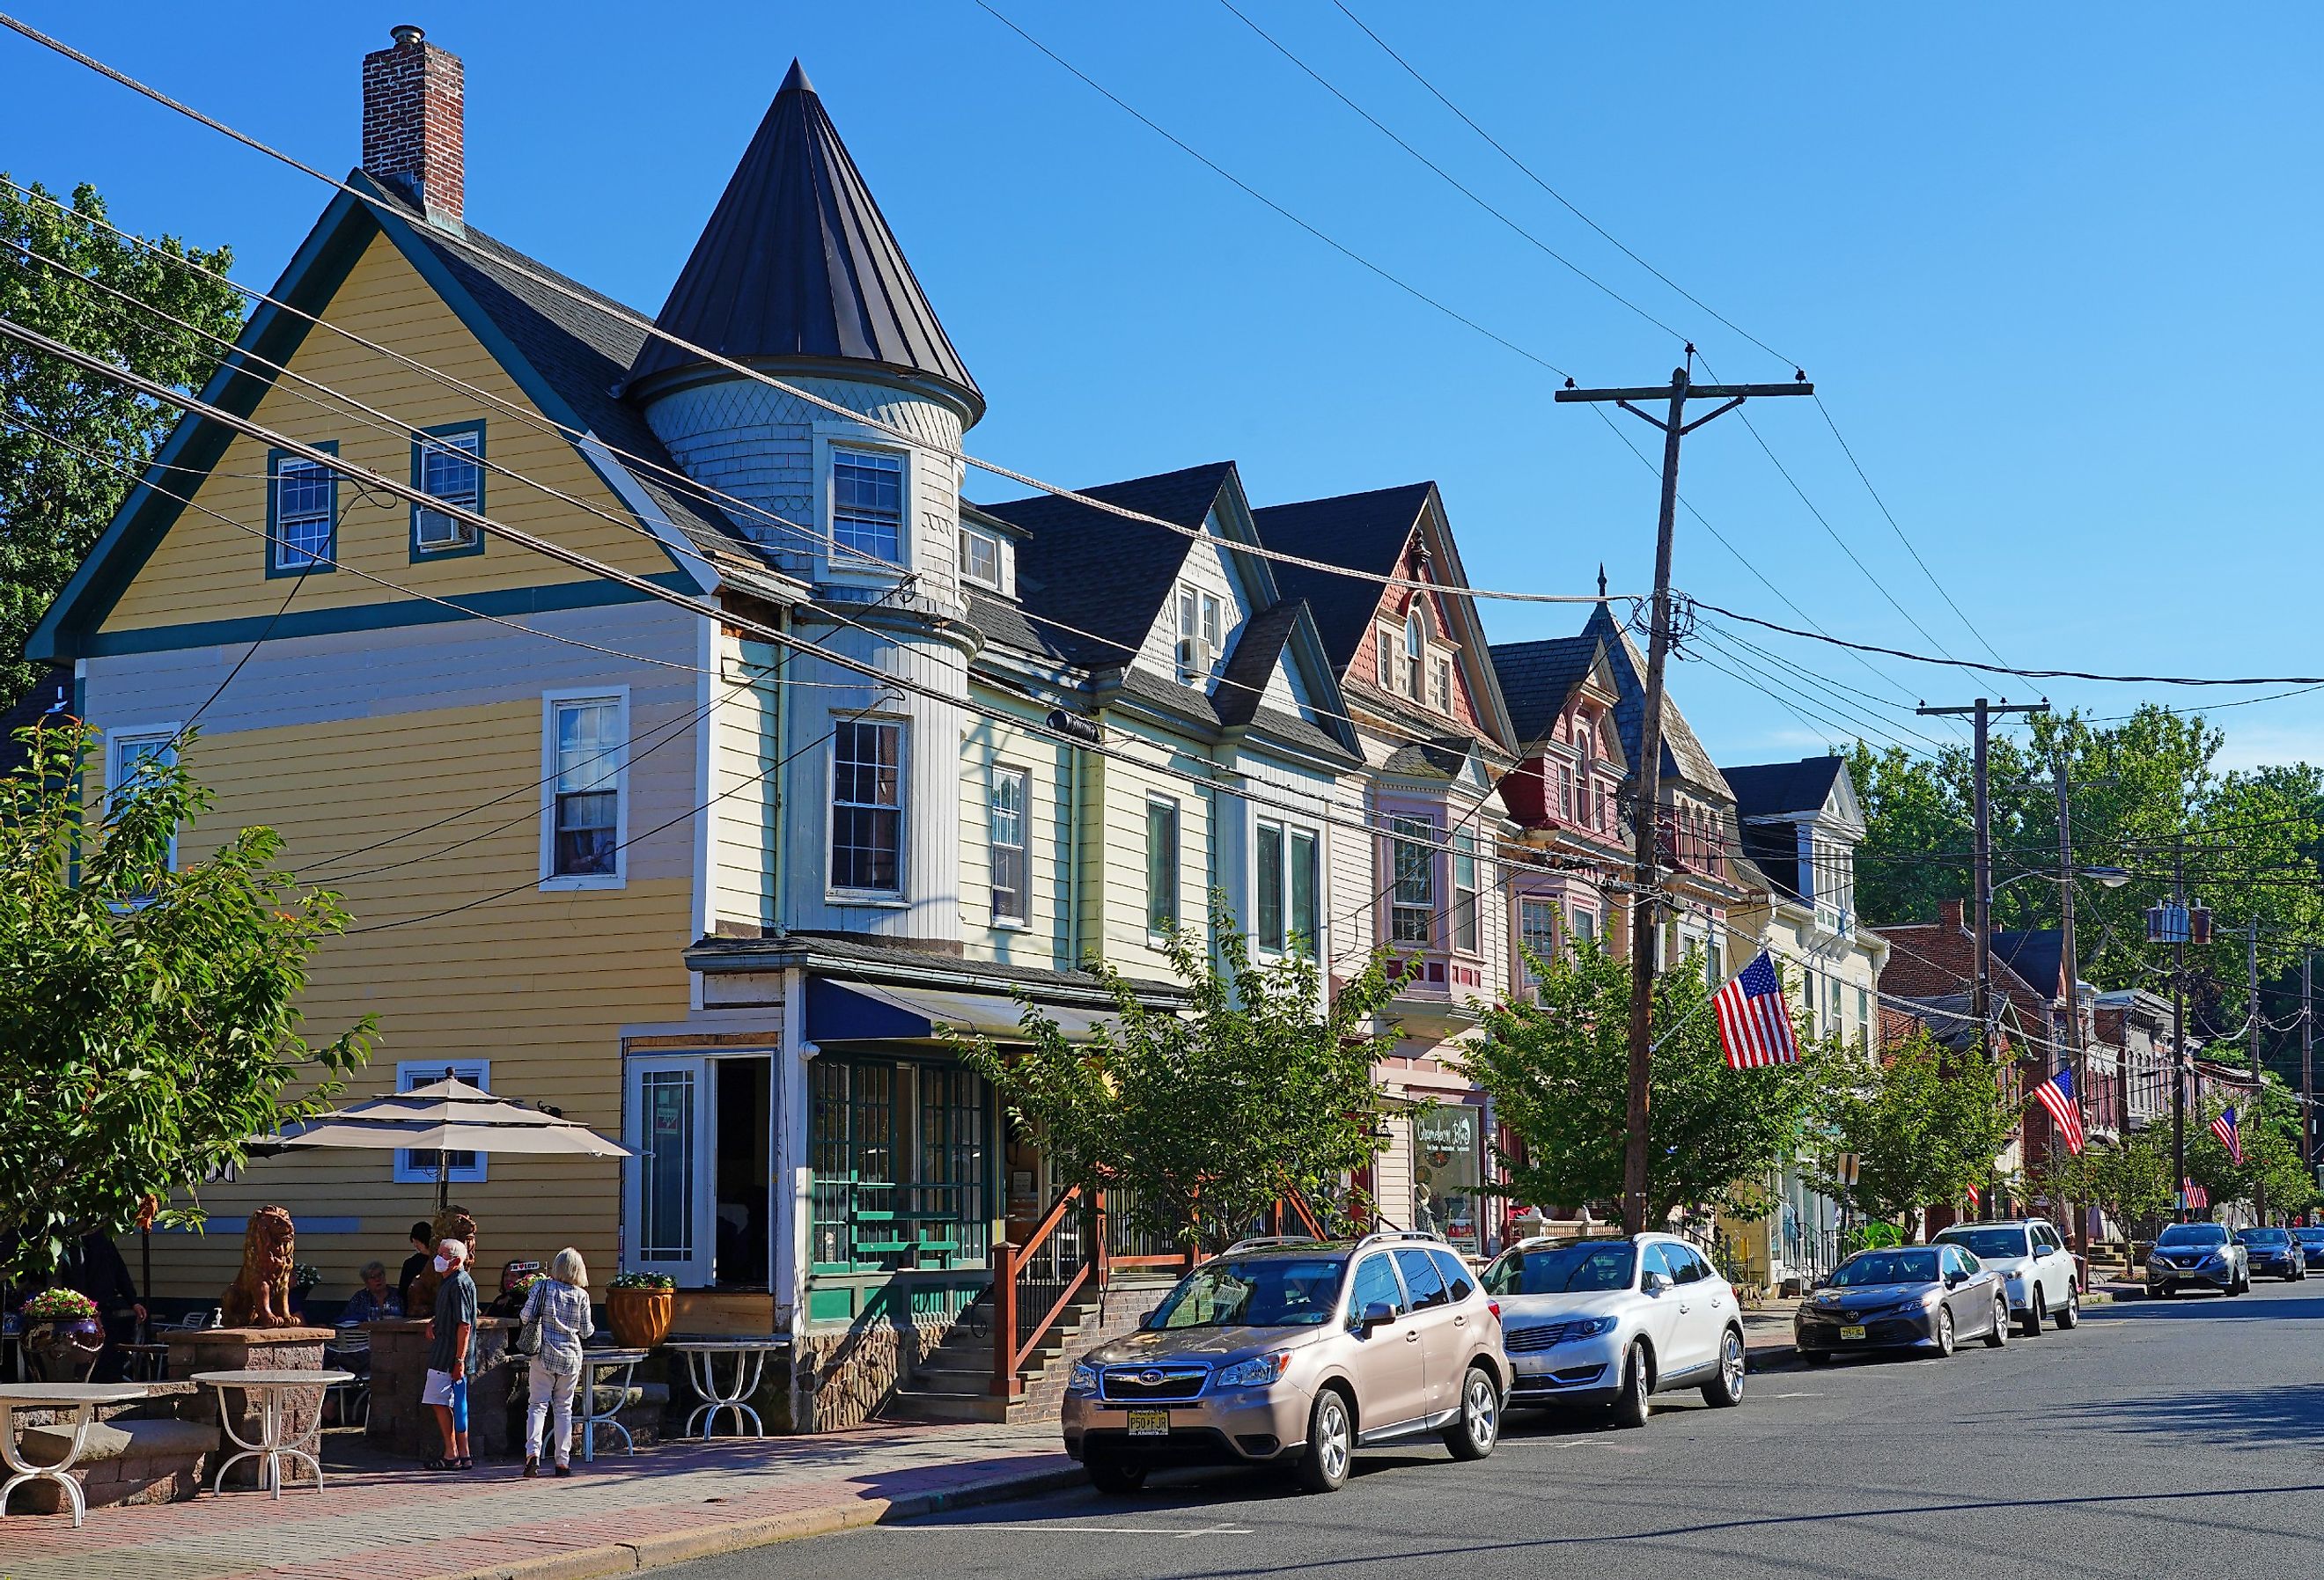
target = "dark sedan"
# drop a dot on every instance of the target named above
(1915, 1297)
(2311, 1243)
(2277, 1252)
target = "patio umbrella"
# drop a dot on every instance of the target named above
(449, 1116)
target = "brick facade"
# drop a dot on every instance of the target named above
(413, 126)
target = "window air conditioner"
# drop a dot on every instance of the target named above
(1195, 658)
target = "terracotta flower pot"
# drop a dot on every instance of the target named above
(639, 1318)
(64, 1352)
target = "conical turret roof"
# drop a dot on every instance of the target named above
(798, 262)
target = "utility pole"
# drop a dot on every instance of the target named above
(2251, 963)
(2180, 928)
(1981, 991)
(1646, 875)
(2073, 970)
(2308, 1058)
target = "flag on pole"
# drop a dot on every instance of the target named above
(1975, 1202)
(2057, 1096)
(1755, 1019)
(2230, 1135)
(2193, 1196)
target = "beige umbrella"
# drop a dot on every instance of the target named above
(449, 1116)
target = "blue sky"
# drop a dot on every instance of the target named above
(2047, 266)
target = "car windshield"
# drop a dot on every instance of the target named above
(2265, 1236)
(1571, 1268)
(1886, 1267)
(2193, 1235)
(1987, 1242)
(2308, 1235)
(1265, 1291)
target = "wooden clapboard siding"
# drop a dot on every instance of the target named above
(1045, 940)
(1118, 859)
(205, 569)
(744, 759)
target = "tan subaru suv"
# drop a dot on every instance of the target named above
(1296, 1353)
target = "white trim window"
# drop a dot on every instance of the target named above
(1537, 936)
(1384, 660)
(1440, 686)
(418, 1168)
(1009, 809)
(867, 504)
(1412, 912)
(1464, 893)
(127, 751)
(585, 788)
(1284, 906)
(1161, 866)
(980, 556)
(306, 511)
(1585, 925)
(867, 805)
(1415, 652)
(447, 466)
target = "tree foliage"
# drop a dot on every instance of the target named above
(2271, 1172)
(1196, 1123)
(1557, 1070)
(1925, 1122)
(2129, 1183)
(54, 502)
(148, 1018)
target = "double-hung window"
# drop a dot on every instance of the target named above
(867, 504)
(1010, 786)
(1440, 686)
(1413, 910)
(447, 464)
(1269, 853)
(980, 556)
(867, 805)
(1464, 893)
(134, 759)
(1161, 865)
(1415, 654)
(1585, 925)
(1307, 920)
(1384, 658)
(1537, 933)
(1286, 904)
(588, 746)
(302, 513)
(1565, 792)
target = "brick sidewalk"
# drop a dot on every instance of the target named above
(672, 1503)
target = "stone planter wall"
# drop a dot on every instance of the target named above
(250, 1349)
(844, 1378)
(401, 1424)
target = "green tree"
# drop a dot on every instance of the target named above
(1925, 1122)
(148, 1018)
(2270, 1175)
(54, 502)
(2129, 1183)
(1196, 1123)
(1557, 1069)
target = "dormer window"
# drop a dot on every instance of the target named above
(867, 504)
(1415, 652)
(979, 557)
(1202, 633)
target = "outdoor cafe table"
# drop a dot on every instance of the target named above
(593, 1362)
(270, 1391)
(749, 1356)
(82, 1398)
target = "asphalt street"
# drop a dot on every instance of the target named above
(2177, 1438)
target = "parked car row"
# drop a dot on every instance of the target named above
(2213, 1256)
(1296, 1352)
(1973, 1282)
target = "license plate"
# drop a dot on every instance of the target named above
(1848, 1333)
(1150, 1423)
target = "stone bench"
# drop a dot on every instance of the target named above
(123, 1461)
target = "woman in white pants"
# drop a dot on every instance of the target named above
(559, 1303)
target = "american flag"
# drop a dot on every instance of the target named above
(1755, 1019)
(2194, 1195)
(1975, 1200)
(2057, 1096)
(2230, 1135)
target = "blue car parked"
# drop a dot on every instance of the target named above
(2275, 1252)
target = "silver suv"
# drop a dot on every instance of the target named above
(1296, 1353)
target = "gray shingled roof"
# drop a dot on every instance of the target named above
(1366, 532)
(1765, 789)
(1538, 678)
(1256, 646)
(798, 262)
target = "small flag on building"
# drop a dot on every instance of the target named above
(2193, 1196)
(2057, 1096)
(1755, 1019)
(2230, 1135)
(1975, 1202)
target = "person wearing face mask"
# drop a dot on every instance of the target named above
(452, 1333)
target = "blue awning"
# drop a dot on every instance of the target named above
(863, 1011)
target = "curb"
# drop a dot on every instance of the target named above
(629, 1557)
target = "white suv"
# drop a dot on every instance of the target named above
(2034, 1265)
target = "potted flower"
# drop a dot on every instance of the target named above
(62, 1336)
(638, 1307)
(304, 1276)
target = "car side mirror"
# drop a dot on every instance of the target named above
(1656, 1283)
(1379, 1313)
(1953, 1280)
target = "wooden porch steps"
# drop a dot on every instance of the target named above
(955, 1382)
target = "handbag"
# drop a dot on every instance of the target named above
(528, 1336)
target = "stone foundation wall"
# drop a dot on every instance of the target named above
(843, 1379)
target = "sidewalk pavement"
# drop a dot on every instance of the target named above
(388, 1522)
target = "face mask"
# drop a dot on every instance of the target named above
(443, 1264)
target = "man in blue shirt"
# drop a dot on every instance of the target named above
(452, 1333)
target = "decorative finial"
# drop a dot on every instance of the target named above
(1601, 580)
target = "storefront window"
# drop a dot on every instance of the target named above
(1445, 1174)
(884, 1199)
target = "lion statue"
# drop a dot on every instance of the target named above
(451, 1224)
(260, 1294)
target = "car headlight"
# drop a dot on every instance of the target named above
(1084, 1380)
(1258, 1372)
(1595, 1327)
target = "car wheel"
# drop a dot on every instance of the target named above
(2069, 1315)
(1726, 1391)
(1637, 1401)
(2170, 1291)
(1945, 1333)
(2000, 1334)
(1115, 1477)
(1331, 1444)
(1816, 1357)
(1473, 1433)
(2036, 1308)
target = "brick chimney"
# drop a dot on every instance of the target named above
(1948, 914)
(412, 135)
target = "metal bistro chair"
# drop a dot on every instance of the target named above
(349, 1350)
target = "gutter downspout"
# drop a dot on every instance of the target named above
(1074, 858)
